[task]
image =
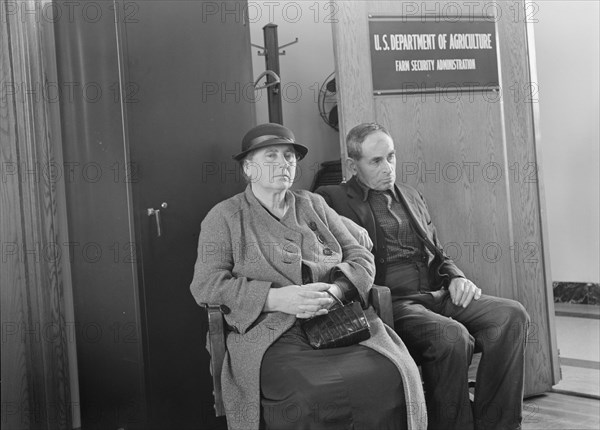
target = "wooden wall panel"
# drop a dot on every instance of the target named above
(15, 389)
(36, 376)
(489, 215)
(435, 155)
(352, 87)
(533, 287)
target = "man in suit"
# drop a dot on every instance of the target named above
(440, 314)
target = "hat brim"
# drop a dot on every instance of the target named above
(300, 149)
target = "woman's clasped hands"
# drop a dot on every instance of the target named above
(304, 301)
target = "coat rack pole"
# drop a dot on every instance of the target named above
(272, 63)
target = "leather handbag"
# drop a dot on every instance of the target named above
(343, 325)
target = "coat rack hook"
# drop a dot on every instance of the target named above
(288, 44)
(270, 73)
(279, 48)
(259, 47)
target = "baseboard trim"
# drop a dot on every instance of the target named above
(576, 310)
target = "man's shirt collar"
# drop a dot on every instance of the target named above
(365, 191)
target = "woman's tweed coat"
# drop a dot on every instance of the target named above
(243, 252)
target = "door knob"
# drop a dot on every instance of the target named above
(156, 214)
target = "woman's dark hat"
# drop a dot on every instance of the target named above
(266, 135)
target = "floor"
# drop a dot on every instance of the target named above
(578, 339)
(574, 403)
(561, 412)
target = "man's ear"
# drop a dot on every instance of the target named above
(351, 165)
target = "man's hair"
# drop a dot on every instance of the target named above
(357, 136)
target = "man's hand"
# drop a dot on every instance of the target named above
(304, 301)
(462, 291)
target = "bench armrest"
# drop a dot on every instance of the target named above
(381, 299)
(216, 348)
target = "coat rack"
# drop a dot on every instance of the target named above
(273, 84)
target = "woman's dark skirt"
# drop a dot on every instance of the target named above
(352, 387)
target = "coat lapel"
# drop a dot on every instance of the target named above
(361, 209)
(419, 229)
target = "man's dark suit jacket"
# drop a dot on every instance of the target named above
(347, 200)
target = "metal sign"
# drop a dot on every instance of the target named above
(425, 54)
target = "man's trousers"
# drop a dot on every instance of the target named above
(442, 338)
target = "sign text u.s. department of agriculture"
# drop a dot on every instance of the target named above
(413, 55)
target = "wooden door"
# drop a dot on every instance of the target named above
(107, 331)
(176, 98)
(474, 157)
(183, 129)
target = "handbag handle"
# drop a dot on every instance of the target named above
(335, 297)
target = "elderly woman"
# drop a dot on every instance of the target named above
(270, 256)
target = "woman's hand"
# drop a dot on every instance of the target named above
(304, 301)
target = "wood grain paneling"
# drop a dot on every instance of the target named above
(353, 88)
(35, 365)
(524, 197)
(436, 156)
(473, 156)
(15, 389)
